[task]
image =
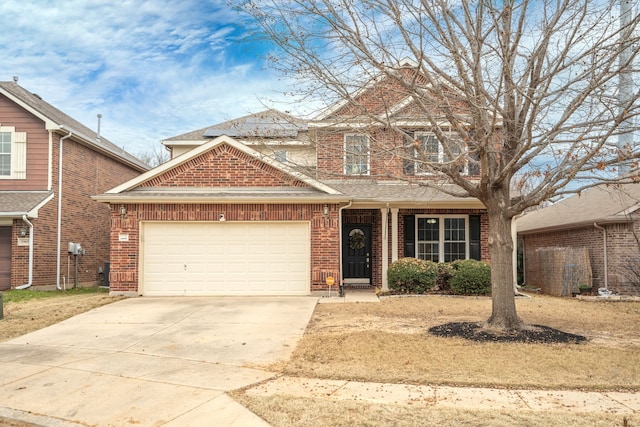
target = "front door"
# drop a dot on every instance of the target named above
(5, 258)
(356, 254)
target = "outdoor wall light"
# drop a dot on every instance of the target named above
(123, 211)
(325, 210)
(23, 232)
(222, 218)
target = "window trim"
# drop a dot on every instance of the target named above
(417, 170)
(279, 153)
(346, 154)
(441, 242)
(17, 155)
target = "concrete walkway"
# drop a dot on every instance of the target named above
(458, 397)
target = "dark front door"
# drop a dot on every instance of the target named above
(356, 254)
(5, 258)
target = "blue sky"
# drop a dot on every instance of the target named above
(153, 69)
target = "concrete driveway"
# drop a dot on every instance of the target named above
(150, 361)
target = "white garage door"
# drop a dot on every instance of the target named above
(225, 258)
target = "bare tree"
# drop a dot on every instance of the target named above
(529, 87)
(154, 156)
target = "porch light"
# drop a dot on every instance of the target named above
(123, 211)
(325, 210)
(23, 232)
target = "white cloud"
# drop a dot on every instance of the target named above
(153, 69)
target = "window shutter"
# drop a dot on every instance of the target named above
(19, 155)
(410, 236)
(474, 237)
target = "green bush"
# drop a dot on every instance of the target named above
(470, 277)
(412, 276)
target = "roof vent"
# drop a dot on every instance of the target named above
(15, 79)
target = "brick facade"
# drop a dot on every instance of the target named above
(125, 261)
(622, 249)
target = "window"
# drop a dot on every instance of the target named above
(281, 156)
(442, 238)
(356, 157)
(13, 150)
(5, 153)
(425, 148)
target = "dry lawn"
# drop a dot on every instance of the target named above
(389, 342)
(31, 314)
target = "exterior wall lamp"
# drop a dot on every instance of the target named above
(123, 211)
(325, 210)
(23, 232)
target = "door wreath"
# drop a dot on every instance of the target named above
(356, 239)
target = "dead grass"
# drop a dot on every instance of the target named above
(284, 411)
(28, 315)
(388, 342)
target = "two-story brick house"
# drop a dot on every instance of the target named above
(50, 165)
(226, 215)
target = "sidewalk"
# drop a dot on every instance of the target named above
(458, 397)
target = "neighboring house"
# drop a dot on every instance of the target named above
(604, 221)
(35, 230)
(226, 217)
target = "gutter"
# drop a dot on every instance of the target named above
(606, 258)
(28, 284)
(60, 206)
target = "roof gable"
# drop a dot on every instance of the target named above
(222, 162)
(224, 166)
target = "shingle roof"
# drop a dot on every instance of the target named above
(53, 114)
(399, 192)
(265, 124)
(14, 203)
(598, 204)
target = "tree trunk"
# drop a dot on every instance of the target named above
(503, 316)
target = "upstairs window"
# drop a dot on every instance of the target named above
(281, 155)
(13, 153)
(5, 153)
(356, 155)
(425, 148)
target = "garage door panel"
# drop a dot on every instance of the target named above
(226, 258)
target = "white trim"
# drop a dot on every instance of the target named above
(197, 151)
(385, 247)
(344, 161)
(394, 234)
(17, 155)
(441, 153)
(441, 242)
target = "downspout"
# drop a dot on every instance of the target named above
(60, 207)
(340, 209)
(606, 258)
(27, 285)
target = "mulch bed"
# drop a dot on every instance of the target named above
(537, 335)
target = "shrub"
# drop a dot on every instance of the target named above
(470, 277)
(412, 276)
(444, 277)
